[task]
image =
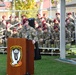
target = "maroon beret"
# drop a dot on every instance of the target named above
(54, 20)
(66, 19)
(24, 20)
(11, 16)
(45, 28)
(3, 16)
(16, 16)
(55, 27)
(57, 13)
(44, 14)
(69, 13)
(14, 29)
(38, 14)
(23, 16)
(44, 21)
(38, 27)
(7, 22)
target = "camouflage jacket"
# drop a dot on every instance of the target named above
(56, 35)
(39, 34)
(29, 33)
(46, 36)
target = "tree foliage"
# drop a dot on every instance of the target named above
(52, 1)
(29, 6)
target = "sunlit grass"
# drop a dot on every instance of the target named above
(46, 66)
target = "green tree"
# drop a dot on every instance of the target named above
(29, 6)
(52, 1)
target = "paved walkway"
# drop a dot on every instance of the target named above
(71, 61)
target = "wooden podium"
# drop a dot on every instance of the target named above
(20, 56)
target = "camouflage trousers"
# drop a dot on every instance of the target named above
(56, 43)
(47, 43)
(40, 44)
(4, 41)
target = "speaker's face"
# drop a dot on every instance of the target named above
(26, 23)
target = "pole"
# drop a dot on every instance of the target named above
(75, 30)
(49, 8)
(62, 29)
(13, 7)
(41, 7)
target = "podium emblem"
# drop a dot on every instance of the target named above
(16, 56)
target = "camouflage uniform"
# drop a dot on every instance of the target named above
(70, 27)
(58, 17)
(29, 33)
(38, 21)
(40, 37)
(1, 35)
(7, 34)
(46, 38)
(3, 26)
(2, 29)
(56, 37)
(15, 33)
(70, 24)
(56, 33)
(11, 21)
(67, 36)
(56, 23)
(15, 21)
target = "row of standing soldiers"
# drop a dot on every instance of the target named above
(49, 34)
(46, 31)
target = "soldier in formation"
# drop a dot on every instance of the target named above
(44, 34)
(56, 37)
(40, 36)
(30, 33)
(70, 25)
(46, 37)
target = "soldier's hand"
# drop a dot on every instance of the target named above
(33, 41)
(68, 21)
(41, 40)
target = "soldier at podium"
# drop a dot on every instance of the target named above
(30, 33)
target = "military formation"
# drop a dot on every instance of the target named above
(49, 30)
(46, 31)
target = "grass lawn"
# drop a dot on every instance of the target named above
(46, 66)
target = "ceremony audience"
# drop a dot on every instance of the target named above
(45, 33)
